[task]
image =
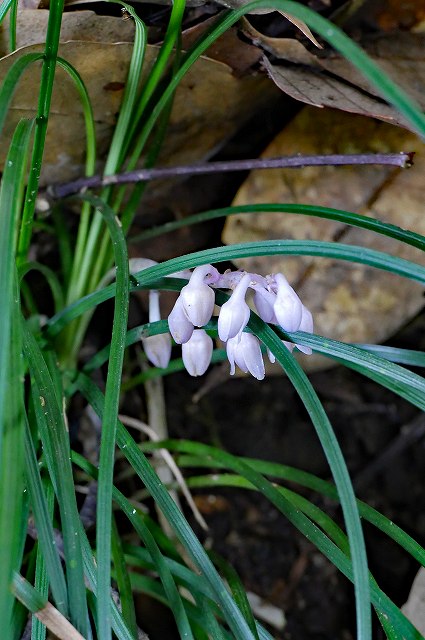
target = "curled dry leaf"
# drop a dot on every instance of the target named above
(350, 302)
(103, 65)
(331, 81)
(299, 24)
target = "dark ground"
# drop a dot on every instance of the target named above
(267, 421)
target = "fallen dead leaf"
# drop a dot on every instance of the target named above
(282, 48)
(229, 48)
(350, 302)
(198, 114)
(331, 81)
(82, 26)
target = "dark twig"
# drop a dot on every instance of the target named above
(402, 160)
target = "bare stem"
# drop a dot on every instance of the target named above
(401, 159)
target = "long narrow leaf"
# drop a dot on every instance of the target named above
(41, 583)
(107, 447)
(54, 436)
(346, 217)
(44, 100)
(43, 522)
(11, 368)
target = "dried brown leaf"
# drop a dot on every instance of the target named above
(331, 81)
(282, 48)
(198, 114)
(229, 48)
(81, 26)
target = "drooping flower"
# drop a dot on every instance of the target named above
(246, 353)
(288, 306)
(197, 297)
(197, 352)
(234, 314)
(180, 326)
(264, 301)
(157, 348)
(307, 326)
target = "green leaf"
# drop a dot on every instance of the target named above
(55, 439)
(346, 217)
(11, 369)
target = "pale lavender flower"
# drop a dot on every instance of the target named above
(157, 348)
(234, 314)
(197, 352)
(264, 301)
(246, 353)
(180, 326)
(197, 297)
(288, 306)
(307, 326)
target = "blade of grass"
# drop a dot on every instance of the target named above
(107, 446)
(42, 507)
(54, 435)
(12, 25)
(347, 217)
(41, 584)
(4, 8)
(11, 369)
(46, 87)
(404, 383)
(51, 279)
(131, 103)
(11, 82)
(10, 203)
(237, 589)
(155, 75)
(123, 581)
(337, 466)
(12, 467)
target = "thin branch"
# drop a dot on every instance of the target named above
(402, 160)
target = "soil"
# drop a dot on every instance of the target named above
(267, 421)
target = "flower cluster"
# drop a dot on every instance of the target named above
(274, 299)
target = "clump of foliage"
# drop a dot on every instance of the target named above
(53, 560)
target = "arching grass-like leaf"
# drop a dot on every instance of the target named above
(347, 217)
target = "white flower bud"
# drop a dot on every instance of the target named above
(246, 353)
(180, 326)
(288, 306)
(307, 326)
(158, 349)
(234, 314)
(197, 297)
(197, 353)
(264, 301)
